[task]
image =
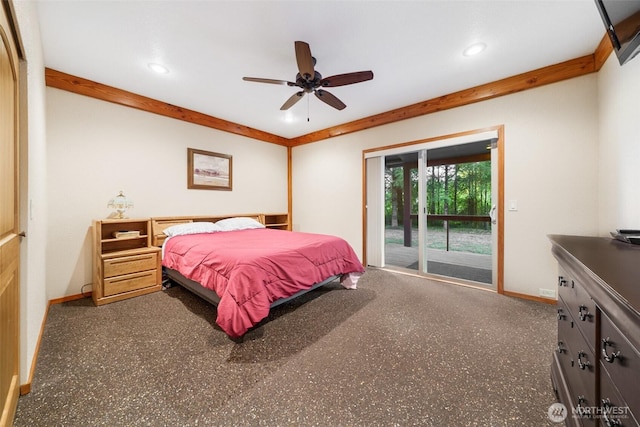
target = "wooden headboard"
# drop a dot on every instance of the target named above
(159, 224)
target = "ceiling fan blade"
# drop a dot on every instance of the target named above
(305, 60)
(291, 101)
(346, 79)
(272, 81)
(329, 99)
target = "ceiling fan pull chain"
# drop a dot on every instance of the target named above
(307, 109)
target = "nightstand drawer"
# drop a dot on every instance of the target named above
(129, 282)
(130, 264)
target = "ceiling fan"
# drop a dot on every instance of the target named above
(309, 80)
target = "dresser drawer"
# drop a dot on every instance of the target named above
(572, 336)
(612, 407)
(622, 363)
(129, 282)
(580, 306)
(130, 264)
(579, 372)
(582, 401)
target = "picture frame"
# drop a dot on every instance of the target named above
(207, 170)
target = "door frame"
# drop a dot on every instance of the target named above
(496, 132)
(9, 226)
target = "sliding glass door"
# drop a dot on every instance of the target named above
(402, 189)
(459, 199)
(437, 203)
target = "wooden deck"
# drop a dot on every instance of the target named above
(464, 265)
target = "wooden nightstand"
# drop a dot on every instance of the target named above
(125, 264)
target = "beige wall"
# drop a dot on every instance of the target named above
(619, 153)
(551, 139)
(95, 149)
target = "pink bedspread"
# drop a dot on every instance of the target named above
(250, 269)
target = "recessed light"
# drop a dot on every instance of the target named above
(160, 69)
(288, 117)
(474, 49)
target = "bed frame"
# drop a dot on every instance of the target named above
(159, 224)
(213, 298)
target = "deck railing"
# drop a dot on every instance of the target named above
(448, 218)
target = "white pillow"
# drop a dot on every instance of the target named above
(238, 223)
(192, 228)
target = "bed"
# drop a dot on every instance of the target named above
(245, 268)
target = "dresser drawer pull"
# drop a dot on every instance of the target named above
(583, 313)
(609, 357)
(562, 281)
(583, 411)
(581, 364)
(561, 316)
(606, 410)
(559, 348)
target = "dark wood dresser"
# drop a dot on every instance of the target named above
(596, 365)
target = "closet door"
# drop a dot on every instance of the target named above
(9, 239)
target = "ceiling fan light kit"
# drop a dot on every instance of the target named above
(310, 80)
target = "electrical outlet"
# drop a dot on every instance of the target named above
(550, 293)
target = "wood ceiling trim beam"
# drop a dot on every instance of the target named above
(529, 80)
(603, 51)
(103, 92)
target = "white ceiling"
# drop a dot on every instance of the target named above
(414, 49)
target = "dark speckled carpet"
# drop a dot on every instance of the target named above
(399, 351)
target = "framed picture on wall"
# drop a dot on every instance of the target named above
(208, 171)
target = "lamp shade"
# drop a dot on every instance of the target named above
(120, 203)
